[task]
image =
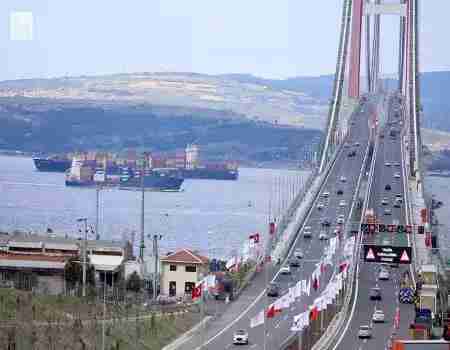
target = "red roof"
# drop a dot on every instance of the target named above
(186, 256)
(31, 257)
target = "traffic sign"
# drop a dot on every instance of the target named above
(387, 254)
(393, 228)
(370, 255)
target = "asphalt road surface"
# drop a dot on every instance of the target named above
(388, 155)
(278, 328)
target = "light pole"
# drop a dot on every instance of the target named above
(84, 253)
(156, 238)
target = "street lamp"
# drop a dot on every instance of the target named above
(84, 253)
(156, 238)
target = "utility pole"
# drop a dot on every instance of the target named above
(84, 253)
(142, 244)
(156, 258)
(97, 206)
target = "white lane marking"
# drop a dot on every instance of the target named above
(277, 325)
(253, 346)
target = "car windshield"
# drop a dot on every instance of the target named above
(241, 332)
(364, 328)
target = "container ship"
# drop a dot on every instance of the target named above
(52, 164)
(85, 173)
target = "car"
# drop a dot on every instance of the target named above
(387, 211)
(298, 253)
(307, 234)
(342, 203)
(383, 275)
(384, 201)
(340, 220)
(320, 206)
(356, 144)
(397, 204)
(326, 194)
(346, 145)
(285, 270)
(273, 290)
(326, 222)
(323, 236)
(375, 293)
(343, 178)
(397, 175)
(240, 337)
(387, 187)
(294, 263)
(337, 231)
(364, 332)
(387, 164)
(352, 154)
(399, 198)
(378, 316)
(397, 164)
(339, 192)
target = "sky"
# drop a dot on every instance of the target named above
(268, 38)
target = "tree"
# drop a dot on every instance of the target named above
(134, 282)
(73, 271)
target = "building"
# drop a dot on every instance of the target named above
(180, 271)
(37, 262)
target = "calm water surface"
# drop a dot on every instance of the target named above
(209, 215)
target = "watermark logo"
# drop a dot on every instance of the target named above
(21, 26)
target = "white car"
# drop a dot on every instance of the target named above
(326, 194)
(342, 203)
(285, 270)
(364, 332)
(397, 175)
(320, 206)
(343, 179)
(323, 236)
(307, 234)
(240, 337)
(387, 164)
(298, 254)
(378, 316)
(387, 211)
(383, 275)
(384, 201)
(340, 220)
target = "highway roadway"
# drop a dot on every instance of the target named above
(387, 156)
(278, 328)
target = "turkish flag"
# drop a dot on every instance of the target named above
(343, 266)
(197, 292)
(315, 284)
(272, 311)
(314, 314)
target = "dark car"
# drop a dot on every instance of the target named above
(326, 222)
(294, 263)
(352, 154)
(340, 192)
(387, 187)
(273, 290)
(375, 293)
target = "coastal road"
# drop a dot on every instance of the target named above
(219, 335)
(387, 157)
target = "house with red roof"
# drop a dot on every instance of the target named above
(181, 270)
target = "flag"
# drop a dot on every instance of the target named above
(272, 311)
(254, 237)
(257, 320)
(314, 313)
(197, 291)
(304, 287)
(343, 266)
(298, 290)
(315, 283)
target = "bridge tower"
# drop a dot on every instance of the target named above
(361, 24)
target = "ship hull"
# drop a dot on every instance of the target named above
(52, 165)
(154, 183)
(207, 174)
